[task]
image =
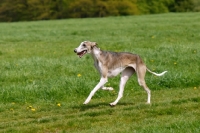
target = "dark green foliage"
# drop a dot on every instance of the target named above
(26, 10)
(154, 6)
(182, 5)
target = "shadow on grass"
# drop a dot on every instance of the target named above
(101, 105)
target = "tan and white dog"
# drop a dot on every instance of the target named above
(110, 64)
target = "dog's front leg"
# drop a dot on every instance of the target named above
(100, 84)
(126, 74)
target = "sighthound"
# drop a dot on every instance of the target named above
(110, 64)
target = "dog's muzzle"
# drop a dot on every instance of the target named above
(80, 54)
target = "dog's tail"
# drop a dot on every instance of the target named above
(157, 74)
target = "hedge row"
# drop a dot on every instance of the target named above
(25, 10)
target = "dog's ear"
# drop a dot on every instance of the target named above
(94, 44)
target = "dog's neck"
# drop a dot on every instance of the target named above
(95, 52)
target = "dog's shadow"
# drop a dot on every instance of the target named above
(83, 107)
(102, 105)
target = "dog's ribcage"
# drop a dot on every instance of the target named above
(114, 62)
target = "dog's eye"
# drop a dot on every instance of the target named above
(84, 45)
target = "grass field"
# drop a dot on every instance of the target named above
(43, 83)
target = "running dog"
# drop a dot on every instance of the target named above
(110, 64)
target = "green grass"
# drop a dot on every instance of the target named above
(38, 71)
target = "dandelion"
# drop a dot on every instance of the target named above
(33, 109)
(195, 88)
(13, 102)
(79, 75)
(175, 63)
(58, 104)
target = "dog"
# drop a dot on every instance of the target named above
(110, 64)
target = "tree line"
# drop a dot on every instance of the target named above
(27, 10)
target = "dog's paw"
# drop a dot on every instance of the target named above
(108, 88)
(112, 104)
(86, 101)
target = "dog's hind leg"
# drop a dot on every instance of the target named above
(141, 75)
(100, 84)
(126, 74)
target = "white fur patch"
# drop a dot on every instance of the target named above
(115, 72)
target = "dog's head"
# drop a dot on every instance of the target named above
(84, 48)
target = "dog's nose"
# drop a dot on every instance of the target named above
(75, 51)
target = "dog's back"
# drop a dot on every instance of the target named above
(118, 59)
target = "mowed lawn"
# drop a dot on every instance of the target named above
(43, 83)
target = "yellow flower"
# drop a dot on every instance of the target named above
(79, 75)
(33, 109)
(58, 104)
(175, 63)
(195, 88)
(11, 109)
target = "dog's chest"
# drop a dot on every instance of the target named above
(115, 72)
(111, 72)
